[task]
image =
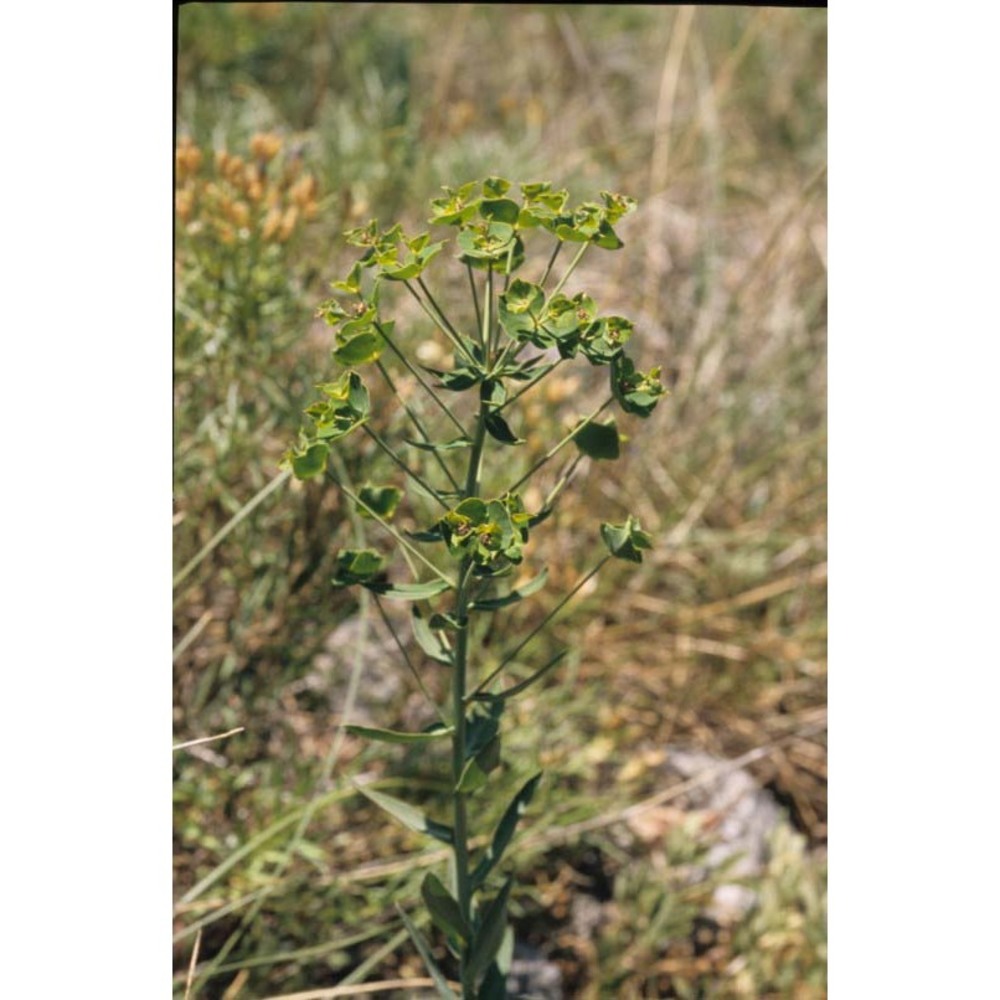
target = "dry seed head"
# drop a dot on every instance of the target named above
(187, 158)
(238, 213)
(184, 203)
(303, 190)
(288, 223)
(234, 169)
(265, 146)
(271, 223)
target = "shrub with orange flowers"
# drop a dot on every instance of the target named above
(235, 215)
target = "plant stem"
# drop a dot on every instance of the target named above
(562, 444)
(439, 319)
(392, 531)
(423, 382)
(475, 298)
(538, 628)
(415, 420)
(463, 885)
(569, 270)
(552, 260)
(377, 438)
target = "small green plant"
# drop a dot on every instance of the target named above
(468, 542)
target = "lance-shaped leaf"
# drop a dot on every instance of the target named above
(440, 983)
(505, 831)
(410, 816)
(494, 984)
(443, 908)
(395, 736)
(408, 591)
(428, 640)
(627, 540)
(598, 441)
(459, 442)
(490, 934)
(517, 594)
(476, 770)
(458, 379)
(512, 692)
(381, 500)
(499, 429)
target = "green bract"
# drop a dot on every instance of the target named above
(637, 392)
(486, 530)
(626, 541)
(357, 566)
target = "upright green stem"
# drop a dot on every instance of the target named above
(463, 885)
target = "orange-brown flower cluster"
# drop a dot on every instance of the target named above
(262, 196)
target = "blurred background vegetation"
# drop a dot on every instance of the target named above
(297, 121)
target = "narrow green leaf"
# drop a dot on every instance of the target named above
(408, 591)
(444, 990)
(490, 934)
(443, 907)
(476, 771)
(428, 640)
(598, 441)
(517, 594)
(394, 736)
(499, 429)
(494, 984)
(505, 831)
(512, 692)
(410, 816)
(461, 442)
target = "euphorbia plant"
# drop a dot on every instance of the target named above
(463, 559)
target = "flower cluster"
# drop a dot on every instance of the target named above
(243, 198)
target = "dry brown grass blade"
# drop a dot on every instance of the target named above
(208, 739)
(659, 163)
(756, 595)
(359, 990)
(189, 983)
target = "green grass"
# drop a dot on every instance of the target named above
(718, 643)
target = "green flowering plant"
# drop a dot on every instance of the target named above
(465, 556)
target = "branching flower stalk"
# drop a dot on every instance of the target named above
(463, 562)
